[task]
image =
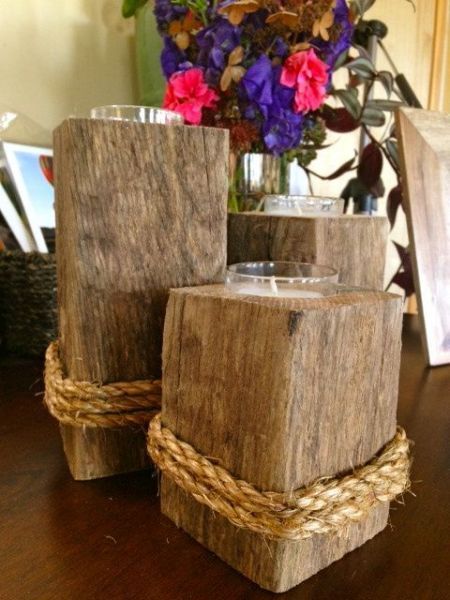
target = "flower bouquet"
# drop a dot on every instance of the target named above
(257, 67)
(260, 68)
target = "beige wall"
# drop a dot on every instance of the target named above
(60, 58)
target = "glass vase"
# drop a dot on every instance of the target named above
(255, 175)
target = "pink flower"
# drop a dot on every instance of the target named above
(305, 72)
(187, 93)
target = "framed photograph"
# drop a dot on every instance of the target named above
(14, 223)
(30, 170)
(424, 143)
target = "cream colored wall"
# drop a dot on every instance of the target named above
(60, 58)
(410, 44)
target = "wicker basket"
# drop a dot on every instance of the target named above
(27, 302)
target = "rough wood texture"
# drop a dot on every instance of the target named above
(424, 139)
(280, 392)
(82, 534)
(140, 209)
(354, 245)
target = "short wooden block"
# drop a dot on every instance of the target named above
(355, 245)
(281, 392)
(135, 217)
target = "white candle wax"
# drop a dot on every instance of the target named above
(264, 289)
(297, 212)
(285, 211)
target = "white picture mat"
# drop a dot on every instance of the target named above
(36, 194)
(15, 223)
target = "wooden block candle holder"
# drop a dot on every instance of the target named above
(278, 392)
(355, 245)
(141, 208)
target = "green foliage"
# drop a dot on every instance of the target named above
(361, 109)
(312, 141)
(129, 7)
(199, 7)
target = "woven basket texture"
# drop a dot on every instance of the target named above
(27, 302)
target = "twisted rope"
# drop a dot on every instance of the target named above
(325, 506)
(81, 403)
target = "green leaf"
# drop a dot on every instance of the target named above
(349, 99)
(362, 6)
(362, 52)
(373, 117)
(363, 67)
(392, 148)
(341, 60)
(386, 105)
(387, 80)
(129, 7)
(344, 168)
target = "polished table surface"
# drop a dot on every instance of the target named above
(106, 539)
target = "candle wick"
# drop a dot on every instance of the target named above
(273, 285)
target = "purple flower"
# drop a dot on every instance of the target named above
(280, 48)
(281, 127)
(333, 49)
(282, 131)
(165, 12)
(172, 58)
(257, 83)
(215, 42)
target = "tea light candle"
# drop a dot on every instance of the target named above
(278, 279)
(303, 206)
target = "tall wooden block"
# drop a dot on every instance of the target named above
(140, 208)
(354, 245)
(280, 392)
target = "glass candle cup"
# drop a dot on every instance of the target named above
(280, 279)
(137, 114)
(303, 206)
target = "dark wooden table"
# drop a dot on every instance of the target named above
(106, 539)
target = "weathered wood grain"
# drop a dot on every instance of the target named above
(281, 392)
(424, 140)
(354, 245)
(140, 209)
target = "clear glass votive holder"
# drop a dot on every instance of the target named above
(303, 206)
(281, 279)
(137, 114)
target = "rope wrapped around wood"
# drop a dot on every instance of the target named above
(325, 506)
(82, 403)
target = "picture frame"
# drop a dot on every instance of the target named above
(33, 186)
(424, 145)
(15, 223)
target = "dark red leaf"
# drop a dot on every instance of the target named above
(394, 200)
(370, 165)
(405, 281)
(404, 256)
(339, 120)
(344, 168)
